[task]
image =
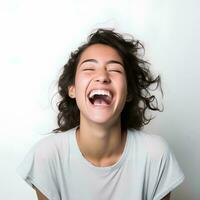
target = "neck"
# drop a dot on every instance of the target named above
(98, 143)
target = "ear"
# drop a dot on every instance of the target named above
(71, 91)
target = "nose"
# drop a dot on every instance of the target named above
(102, 76)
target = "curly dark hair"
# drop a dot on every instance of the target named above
(139, 80)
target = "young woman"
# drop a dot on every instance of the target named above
(99, 151)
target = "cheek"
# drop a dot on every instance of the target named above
(81, 78)
(123, 84)
(81, 83)
(123, 89)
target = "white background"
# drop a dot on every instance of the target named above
(36, 38)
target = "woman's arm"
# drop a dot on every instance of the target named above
(40, 196)
(167, 197)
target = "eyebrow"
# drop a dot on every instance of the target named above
(108, 62)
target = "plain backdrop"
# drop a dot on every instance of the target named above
(36, 38)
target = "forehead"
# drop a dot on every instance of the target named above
(100, 51)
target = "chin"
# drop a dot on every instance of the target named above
(103, 120)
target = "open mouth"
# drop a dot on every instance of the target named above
(100, 97)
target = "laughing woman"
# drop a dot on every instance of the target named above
(99, 151)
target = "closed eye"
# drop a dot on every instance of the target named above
(113, 67)
(115, 70)
(88, 69)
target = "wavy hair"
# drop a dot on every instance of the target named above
(139, 81)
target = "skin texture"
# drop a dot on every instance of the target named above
(99, 68)
(99, 136)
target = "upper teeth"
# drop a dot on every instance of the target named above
(99, 92)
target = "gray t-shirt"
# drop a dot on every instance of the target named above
(146, 170)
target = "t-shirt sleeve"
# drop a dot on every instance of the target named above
(163, 171)
(38, 169)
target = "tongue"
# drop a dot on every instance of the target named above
(101, 100)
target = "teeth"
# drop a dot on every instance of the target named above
(99, 92)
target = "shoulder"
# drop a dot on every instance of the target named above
(51, 145)
(154, 146)
(157, 163)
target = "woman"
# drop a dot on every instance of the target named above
(101, 152)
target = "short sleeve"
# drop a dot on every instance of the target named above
(38, 169)
(164, 173)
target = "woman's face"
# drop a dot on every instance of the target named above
(100, 85)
